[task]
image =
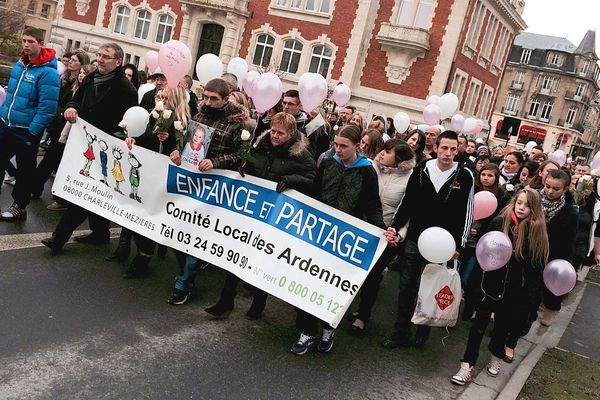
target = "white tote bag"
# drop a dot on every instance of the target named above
(439, 297)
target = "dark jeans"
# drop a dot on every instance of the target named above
(24, 146)
(551, 301)
(229, 292)
(370, 288)
(309, 324)
(49, 163)
(75, 216)
(411, 268)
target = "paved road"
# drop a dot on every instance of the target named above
(71, 328)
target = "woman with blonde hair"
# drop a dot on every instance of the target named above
(358, 120)
(514, 292)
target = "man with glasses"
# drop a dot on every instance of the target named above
(102, 99)
(149, 99)
(30, 105)
(291, 105)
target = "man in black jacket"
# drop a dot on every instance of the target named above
(149, 98)
(102, 99)
(439, 193)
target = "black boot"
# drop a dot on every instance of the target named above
(258, 305)
(123, 249)
(138, 268)
(54, 244)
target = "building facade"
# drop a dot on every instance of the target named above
(35, 13)
(550, 86)
(393, 54)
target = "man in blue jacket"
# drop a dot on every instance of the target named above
(30, 105)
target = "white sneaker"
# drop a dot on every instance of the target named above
(493, 367)
(10, 180)
(463, 375)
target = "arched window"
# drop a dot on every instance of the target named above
(292, 51)
(320, 60)
(142, 24)
(122, 20)
(165, 27)
(263, 50)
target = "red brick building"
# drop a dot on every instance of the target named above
(392, 53)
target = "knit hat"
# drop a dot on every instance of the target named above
(483, 150)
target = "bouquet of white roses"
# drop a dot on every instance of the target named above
(164, 119)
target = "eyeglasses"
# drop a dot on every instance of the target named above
(101, 56)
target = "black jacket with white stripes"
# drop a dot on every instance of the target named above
(451, 208)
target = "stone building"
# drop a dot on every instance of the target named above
(550, 85)
(392, 53)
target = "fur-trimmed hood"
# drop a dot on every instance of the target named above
(405, 167)
(294, 147)
(230, 112)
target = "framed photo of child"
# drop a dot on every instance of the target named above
(196, 140)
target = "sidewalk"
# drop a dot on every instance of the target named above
(572, 327)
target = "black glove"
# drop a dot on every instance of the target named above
(281, 186)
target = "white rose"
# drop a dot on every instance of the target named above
(586, 178)
(594, 172)
(245, 135)
(335, 127)
(160, 106)
(154, 114)
(167, 114)
(178, 125)
(123, 124)
(510, 187)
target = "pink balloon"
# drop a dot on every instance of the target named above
(2, 95)
(457, 122)
(596, 162)
(266, 92)
(560, 277)
(493, 251)
(478, 127)
(341, 94)
(558, 156)
(484, 205)
(175, 61)
(432, 114)
(151, 60)
(312, 89)
(249, 81)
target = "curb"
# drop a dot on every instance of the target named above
(527, 355)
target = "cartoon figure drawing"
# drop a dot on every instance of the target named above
(117, 172)
(103, 161)
(134, 177)
(193, 152)
(89, 153)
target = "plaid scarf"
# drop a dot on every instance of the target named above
(551, 208)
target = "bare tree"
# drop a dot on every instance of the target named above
(12, 15)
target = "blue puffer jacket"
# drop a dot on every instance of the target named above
(32, 96)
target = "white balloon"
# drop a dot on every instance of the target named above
(239, 67)
(559, 157)
(529, 146)
(401, 122)
(469, 125)
(208, 67)
(137, 119)
(312, 88)
(422, 127)
(433, 99)
(436, 245)
(248, 82)
(448, 104)
(60, 67)
(143, 89)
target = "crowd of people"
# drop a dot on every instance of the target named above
(402, 182)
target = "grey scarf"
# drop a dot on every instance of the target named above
(551, 208)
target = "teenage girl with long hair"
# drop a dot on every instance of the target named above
(514, 291)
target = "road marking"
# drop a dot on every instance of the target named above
(31, 240)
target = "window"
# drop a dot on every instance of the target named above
(317, 6)
(69, 44)
(554, 59)
(472, 97)
(571, 114)
(122, 20)
(263, 50)
(580, 89)
(490, 36)
(512, 103)
(501, 46)
(415, 13)
(136, 61)
(292, 50)
(320, 60)
(519, 77)
(165, 27)
(45, 11)
(127, 58)
(458, 86)
(31, 8)
(546, 82)
(142, 24)
(534, 107)
(474, 29)
(485, 103)
(585, 66)
(525, 55)
(546, 110)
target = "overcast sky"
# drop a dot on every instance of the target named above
(563, 18)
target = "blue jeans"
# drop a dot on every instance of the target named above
(187, 274)
(468, 264)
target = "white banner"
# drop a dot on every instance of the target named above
(289, 245)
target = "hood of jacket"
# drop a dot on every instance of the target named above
(231, 112)
(47, 56)
(361, 161)
(294, 147)
(405, 167)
